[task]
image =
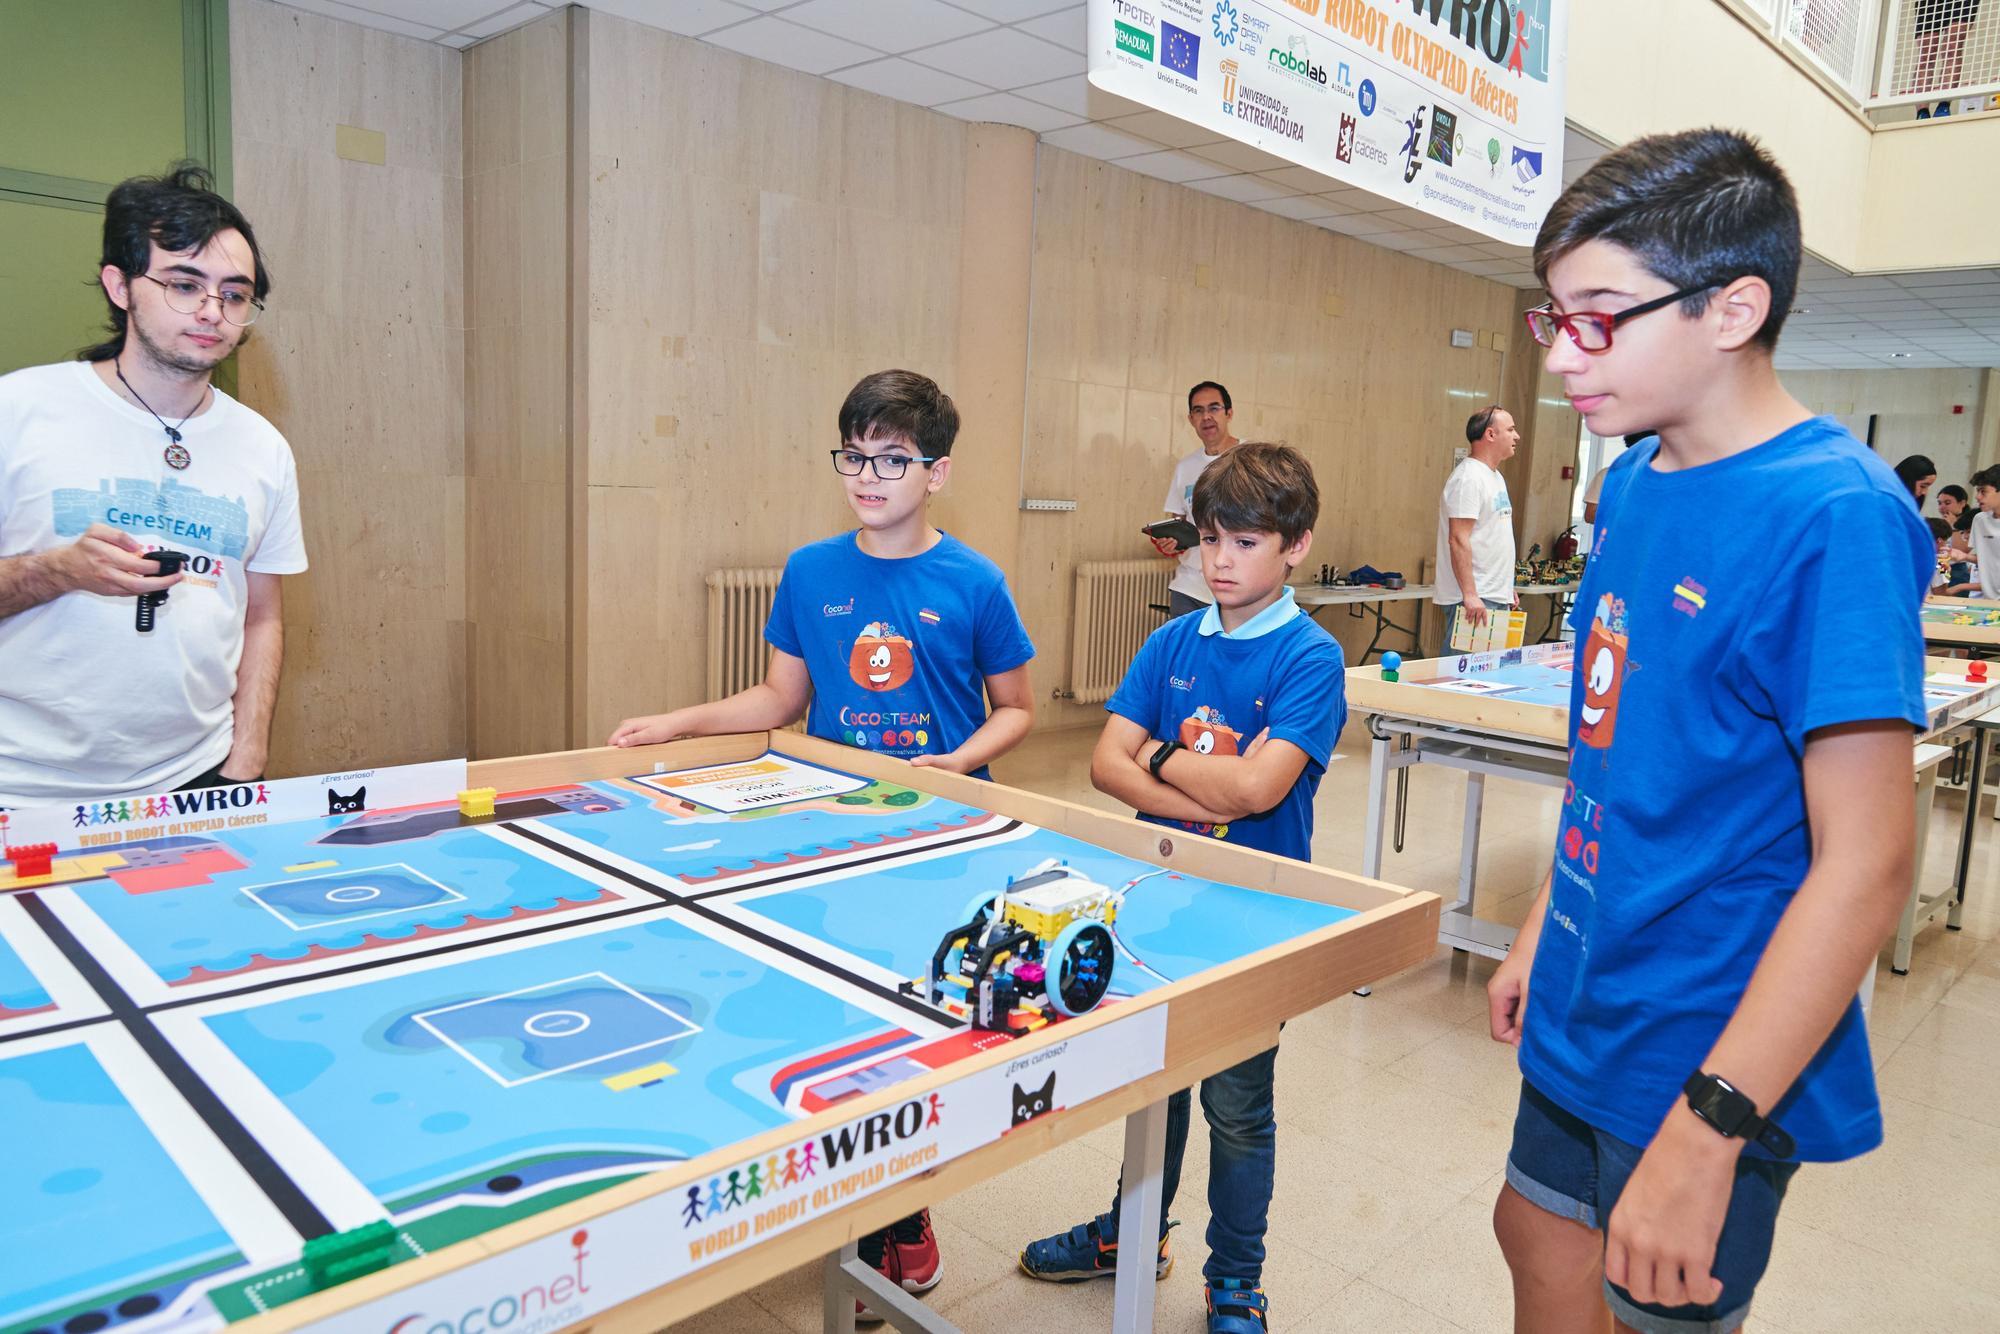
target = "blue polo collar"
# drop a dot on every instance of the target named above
(1279, 613)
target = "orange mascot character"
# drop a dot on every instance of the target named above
(1603, 665)
(1207, 734)
(881, 659)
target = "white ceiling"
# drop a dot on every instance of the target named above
(1021, 62)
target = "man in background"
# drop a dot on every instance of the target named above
(1209, 412)
(1475, 536)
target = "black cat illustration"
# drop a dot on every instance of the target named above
(1028, 1106)
(339, 805)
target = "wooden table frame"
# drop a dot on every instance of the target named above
(1213, 1020)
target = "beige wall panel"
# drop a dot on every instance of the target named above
(361, 364)
(1914, 411)
(759, 240)
(513, 586)
(370, 693)
(516, 371)
(512, 678)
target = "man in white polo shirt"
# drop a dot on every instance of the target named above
(1475, 535)
(1209, 411)
(128, 451)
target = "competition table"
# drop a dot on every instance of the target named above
(1965, 623)
(1506, 715)
(1372, 600)
(639, 1040)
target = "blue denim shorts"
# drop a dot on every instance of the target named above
(1574, 1171)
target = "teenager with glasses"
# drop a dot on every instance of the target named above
(897, 636)
(129, 450)
(1736, 834)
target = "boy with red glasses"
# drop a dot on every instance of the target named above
(1737, 833)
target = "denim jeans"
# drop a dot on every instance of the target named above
(1239, 1104)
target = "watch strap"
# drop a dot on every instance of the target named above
(1733, 1115)
(1160, 757)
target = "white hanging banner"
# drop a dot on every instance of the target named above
(1452, 107)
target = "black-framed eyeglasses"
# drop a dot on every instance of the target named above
(238, 305)
(1591, 330)
(888, 467)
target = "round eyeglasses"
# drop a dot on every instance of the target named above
(1591, 330)
(888, 467)
(238, 305)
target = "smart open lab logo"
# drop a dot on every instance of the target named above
(1223, 23)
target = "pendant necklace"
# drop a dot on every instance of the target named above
(177, 455)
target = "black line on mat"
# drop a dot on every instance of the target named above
(291, 1201)
(784, 947)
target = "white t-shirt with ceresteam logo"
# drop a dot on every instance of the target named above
(1188, 577)
(1478, 492)
(88, 705)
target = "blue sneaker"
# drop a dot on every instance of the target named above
(1082, 1253)
(1236, 1307)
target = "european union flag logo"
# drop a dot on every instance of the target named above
(1180, 50)
(1527, 165)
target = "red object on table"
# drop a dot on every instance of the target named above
(1975, 671)
(32, 859)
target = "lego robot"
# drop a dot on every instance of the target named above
(1043, 943)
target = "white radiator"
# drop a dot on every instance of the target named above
(1114, 614)
(739, 603)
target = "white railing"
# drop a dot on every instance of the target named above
(1890, 53)
(1938, 51)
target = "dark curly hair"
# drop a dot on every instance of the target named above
(179, 211)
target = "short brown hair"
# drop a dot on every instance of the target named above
(1697, 209)
(904, 404)
(1258, 488)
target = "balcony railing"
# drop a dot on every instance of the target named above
(1891, 56)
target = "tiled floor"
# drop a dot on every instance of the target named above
(1394, 1114)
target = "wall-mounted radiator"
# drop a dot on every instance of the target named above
(1114, 614)
(739, 602)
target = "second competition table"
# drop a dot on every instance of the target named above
(1962, 623)
(1366, 600)
(1506, 715)
(643, 1038)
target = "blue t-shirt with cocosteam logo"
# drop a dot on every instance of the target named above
(1727, 612)
(1214, 692)
(898, 650)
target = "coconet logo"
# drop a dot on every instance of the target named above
(533, 1310)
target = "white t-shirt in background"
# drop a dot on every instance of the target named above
(1477, 492)
(1188, 577)
(88, 705)
(1986, 551)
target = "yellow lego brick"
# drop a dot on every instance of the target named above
(476, 803)
(645, 1074)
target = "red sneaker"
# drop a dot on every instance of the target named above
(905, 1253)
(878, 1253)
(915, 1243)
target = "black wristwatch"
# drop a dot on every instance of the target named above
(1160, 756)
(1718, 1102)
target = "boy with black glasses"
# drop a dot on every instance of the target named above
(890, 633)
(1737, 831)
